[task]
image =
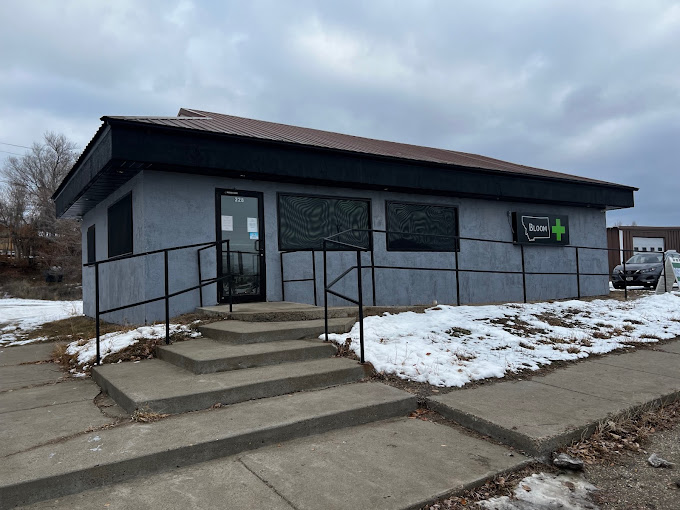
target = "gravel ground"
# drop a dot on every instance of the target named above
(632, 483)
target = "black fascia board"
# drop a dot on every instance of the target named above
(270, 160)
(135, 145)
(94, 160)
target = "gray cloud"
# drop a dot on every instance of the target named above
(590, 88)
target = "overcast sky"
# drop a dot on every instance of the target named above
(586, 87)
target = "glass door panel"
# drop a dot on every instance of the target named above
(240, 222)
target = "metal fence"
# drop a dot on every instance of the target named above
(328, 286)
(359, 267)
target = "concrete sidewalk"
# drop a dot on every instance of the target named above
(38, 404)
(399, 463)
(546, 412)
(394, 463)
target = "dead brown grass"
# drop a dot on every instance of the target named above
(458, 332)
(147, 416)
(498, 486)
(624, 435)
(82, 329)
(517, 326)
(72, 328)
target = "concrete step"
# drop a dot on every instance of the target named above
(276, 312)
(157, 386)
(286, 311)
(122, 453)
(205, 356)
(240, 332)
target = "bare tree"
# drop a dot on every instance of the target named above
(13, 215)
(26, 206)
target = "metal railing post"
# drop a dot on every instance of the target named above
(578, 276)
(373, 264)
(361, 307)
(167, 298)
(457, 278)
(325, 291)
(96, 309)
(283, 283)
(625, 284)
(524, 275)
(200, 279)
(313, 276)
(230, 278)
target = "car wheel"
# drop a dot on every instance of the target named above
(618, 286)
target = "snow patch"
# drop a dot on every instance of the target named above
(454, 345)
(541, 490)
(111, 343)
(21, 315)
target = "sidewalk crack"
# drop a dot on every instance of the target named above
(268, 484)
(580, 392)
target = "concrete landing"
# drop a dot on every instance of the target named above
(240, 332)
(550, 411)
(396, 464)
(276, 311)
(113, 455)
(164, 388)
(288, 311)
(205, 356)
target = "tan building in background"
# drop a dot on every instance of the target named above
(628, 240)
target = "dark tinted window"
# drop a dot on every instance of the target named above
(304, 221)
(641, 258)
(91, 246)
(424, 222)
(120, 227)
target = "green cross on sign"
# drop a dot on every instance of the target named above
(558, 229)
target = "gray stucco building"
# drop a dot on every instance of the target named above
(147, 183)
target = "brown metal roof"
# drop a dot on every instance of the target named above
(639, 228)
(198, 120)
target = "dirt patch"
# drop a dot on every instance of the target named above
(616, 439)
(632, 483)
(616, 460)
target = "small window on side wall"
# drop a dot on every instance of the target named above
(422, 227)
(91, 245)
(120, 227)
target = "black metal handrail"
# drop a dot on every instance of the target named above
(359, 267)
(167, 294)
(312, 279)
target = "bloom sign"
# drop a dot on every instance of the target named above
(544, 229)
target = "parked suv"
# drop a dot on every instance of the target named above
(642, 269)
